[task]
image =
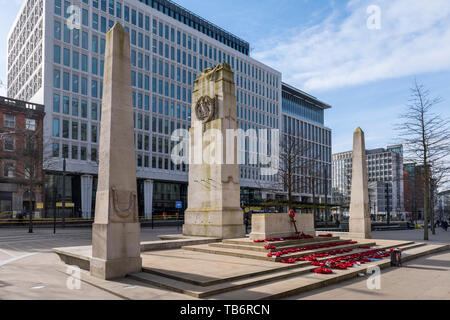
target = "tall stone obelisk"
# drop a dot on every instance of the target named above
(214, 189)
(359, 223)
(116, 230)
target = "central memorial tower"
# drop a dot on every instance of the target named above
(214, 189)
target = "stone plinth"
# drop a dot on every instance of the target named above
(116, 230)
(214, 190)
(278, 225)
(359, 222)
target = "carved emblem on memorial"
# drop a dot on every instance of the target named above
(124, 202)
(205, 108)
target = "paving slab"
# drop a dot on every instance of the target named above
(203, 268)
(82, 255)
(306, 282)
(42, 276)
(424, 278)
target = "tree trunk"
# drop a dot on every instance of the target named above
(433, 229)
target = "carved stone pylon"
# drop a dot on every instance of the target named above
(116, 231)
(359, 223)
(214, 189)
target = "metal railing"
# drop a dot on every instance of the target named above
(6, 218)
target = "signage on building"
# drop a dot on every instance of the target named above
(179, 205)
(68, 204)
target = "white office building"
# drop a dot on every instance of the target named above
(54, 61)
(385, 179)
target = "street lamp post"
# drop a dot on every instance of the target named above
(30, 225)
(54, 208)
(64, 194)
(388, 210)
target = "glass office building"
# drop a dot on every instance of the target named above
(303, 118)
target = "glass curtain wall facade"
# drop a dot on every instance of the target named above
(303, 119)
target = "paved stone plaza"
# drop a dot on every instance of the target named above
(29, 270)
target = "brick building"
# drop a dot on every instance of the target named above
(21, 173)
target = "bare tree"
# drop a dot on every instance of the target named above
(291, 157)
(425, 136)
(298, 171)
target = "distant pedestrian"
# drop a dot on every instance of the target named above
(246, 221)
(444, 225)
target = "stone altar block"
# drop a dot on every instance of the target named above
(214, 189)
(279, 225)
(359, 222)
(116, 230)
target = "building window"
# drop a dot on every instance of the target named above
(65, 151)
(8, 143)
(74, 152)
(94, 134)
(56, 102)
(57, 30)
(55, 148)
(30, 124)
(9, 170)
(56, 78)
(94, 154)
(55, 127)
(9, 121)
(83, 153)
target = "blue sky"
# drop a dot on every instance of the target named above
(325, 48)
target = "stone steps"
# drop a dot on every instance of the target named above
(282, 267)
(263, 256)
(202, 292)
(405, 246)
(306, 282)
(222, 286)
(279, 245)
(248, 242)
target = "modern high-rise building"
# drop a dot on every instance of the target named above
(54, 61)
(385, 178)
(303, 118)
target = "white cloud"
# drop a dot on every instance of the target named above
(414, 38)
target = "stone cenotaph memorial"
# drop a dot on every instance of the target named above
(116, 230)
(359, 224)
(214, 189)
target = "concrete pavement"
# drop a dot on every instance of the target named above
(426, 278)
(28, 270)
